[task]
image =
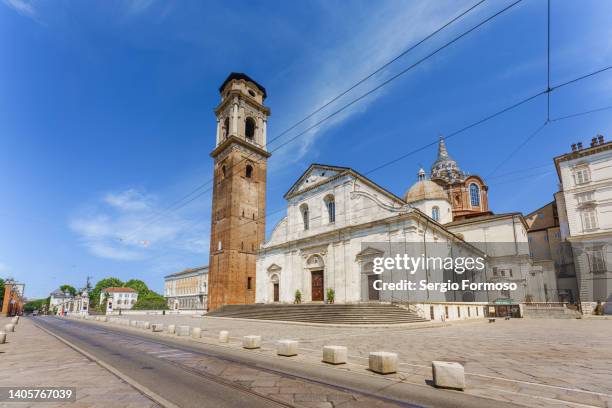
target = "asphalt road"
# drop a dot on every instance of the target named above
(200, 376)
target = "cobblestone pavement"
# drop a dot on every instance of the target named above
(535, 362)
(33, 358)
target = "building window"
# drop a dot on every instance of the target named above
(585, 197)
(589, 220)
(597, 260)
(582, 176)
(305, 216)
(458, 311)
(474, 195)
(446, 312)
(435, 213)
(249, 171)
(249, 128)
(223, 171)
(249, 282)
(330, 204)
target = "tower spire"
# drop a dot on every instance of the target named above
(442, 152)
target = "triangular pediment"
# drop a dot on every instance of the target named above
(369, 252)
(315, 175)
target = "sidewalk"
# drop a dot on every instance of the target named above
(33, 358)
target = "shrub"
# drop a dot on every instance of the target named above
(331, 295)
(298, 297)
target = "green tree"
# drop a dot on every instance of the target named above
(138, 285)
(151, 301)
(35, 304)
(94, 296)
(69, 289)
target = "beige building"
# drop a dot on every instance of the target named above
(552, 254)
(584, 205)
(118, 298)
(188, 289)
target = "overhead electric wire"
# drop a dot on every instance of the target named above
(361, 81)
(386, 82)
(489, 117)
(500, 112)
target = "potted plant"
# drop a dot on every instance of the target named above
(298, 297)
(331, 295)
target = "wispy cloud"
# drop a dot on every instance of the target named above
(130, 225)
(138, 6)
(387, 31)
(23, 7)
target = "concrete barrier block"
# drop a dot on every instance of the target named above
(2, 337)
(383, 362)
(223, 336)
(15, 320)
(182, 330)
(171, 329)
(103, 319)
(9, 327)
(196, 332)
(448, 374)
(146, 325)
(133, 323)
(287, 348)
(335, 354)
(251, 342)
(157, 327)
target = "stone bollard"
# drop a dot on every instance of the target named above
(133, 323)
(171, 329)
(182, 330)
(2, 337)
(146, 325)
(448, 375)
(251, 342)
(157, 327)
(196, 332)
(335, 354)
(287, 348)
(10, 327)
(15, 320)
(383, 362)
(223, 336)
(103, 319)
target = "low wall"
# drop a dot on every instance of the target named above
(157, 312)
(444, 311)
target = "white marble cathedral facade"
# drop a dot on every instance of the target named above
(338, 220)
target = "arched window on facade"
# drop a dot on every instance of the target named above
(305, 216)
(474, 195)
(249, 171)
(330, 204)
(435, 213)
(223, 171)
(226, 128)
(249, 128)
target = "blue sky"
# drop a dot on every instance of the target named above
(106, 113)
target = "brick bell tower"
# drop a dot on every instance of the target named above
(238, 220)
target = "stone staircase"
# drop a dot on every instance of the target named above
(358, 313)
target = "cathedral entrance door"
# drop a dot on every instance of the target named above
(276, 294)
(373, 294)
(317, 286)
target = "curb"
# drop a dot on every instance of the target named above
(139, 387)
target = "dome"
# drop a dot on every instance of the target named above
(425, 190)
